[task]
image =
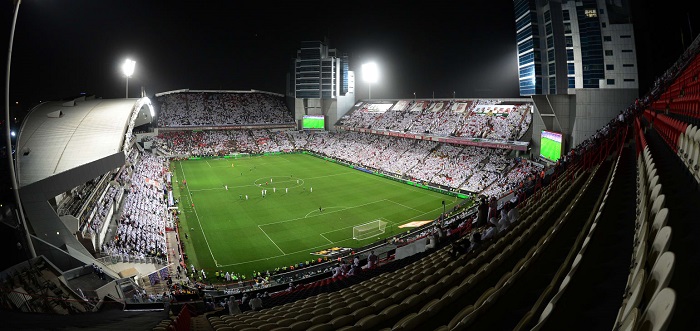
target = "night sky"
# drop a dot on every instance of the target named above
(63, 48)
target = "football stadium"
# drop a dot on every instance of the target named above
(566, 208)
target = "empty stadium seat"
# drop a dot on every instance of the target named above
(657, 315)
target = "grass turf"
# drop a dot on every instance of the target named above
(226, 231)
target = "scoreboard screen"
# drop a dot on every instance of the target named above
(314, 122)
(551, 145)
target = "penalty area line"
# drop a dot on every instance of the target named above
(273, 242)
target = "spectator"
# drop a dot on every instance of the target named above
(256, 303)
(475, 242)
(483, 211)
(233, 307)
(459, 248)
(371, 260)
(513, 214)
(490, 232)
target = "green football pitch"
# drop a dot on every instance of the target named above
(311, 205)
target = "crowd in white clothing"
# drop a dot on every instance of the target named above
(222, 108)
(488, 119)
(141, 226)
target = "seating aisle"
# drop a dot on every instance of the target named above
(506, 313)
(683, 202)
(594, 294)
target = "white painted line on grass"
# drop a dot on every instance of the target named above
(195, 213)
(311, 249)
(268, 237)
(330, 212)
(324, 237)
(402, 205)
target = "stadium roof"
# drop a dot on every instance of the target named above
(59, 136)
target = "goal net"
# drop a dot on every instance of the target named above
(368, 230)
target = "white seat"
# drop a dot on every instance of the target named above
(659, 222)
(659, 276)
(630, 323)
(633, 295)
(661, 243)
(658, 315)
(546, 312)
(576, 263)
(682, 145)
(638, 262)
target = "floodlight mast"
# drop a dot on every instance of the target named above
(10, 159)
(370, 74)
(128, 70)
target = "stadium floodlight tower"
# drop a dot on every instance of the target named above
(128, 70)
(370, 74)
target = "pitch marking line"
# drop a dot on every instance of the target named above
(330, 212)
(311, 249)
(273, 242)
(324, 237)
(402, 205)
(315, 211)
(196, 215)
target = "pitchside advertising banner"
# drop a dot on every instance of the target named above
(513, 145)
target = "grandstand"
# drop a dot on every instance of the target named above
(603, 239)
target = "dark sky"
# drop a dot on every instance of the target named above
(66, 47)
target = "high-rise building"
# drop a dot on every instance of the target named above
(577, 61)
(565, 45)
(319, 71)
(320, 82)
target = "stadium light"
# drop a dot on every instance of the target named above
(10, 159)
(128, 70)
(370, 74)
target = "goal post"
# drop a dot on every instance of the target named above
(368, 230)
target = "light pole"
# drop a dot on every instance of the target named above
(370, 74)
(13, 176)
(128, 70)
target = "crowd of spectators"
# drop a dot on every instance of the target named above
(217, 108)
(141, 225)
(489, 119)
